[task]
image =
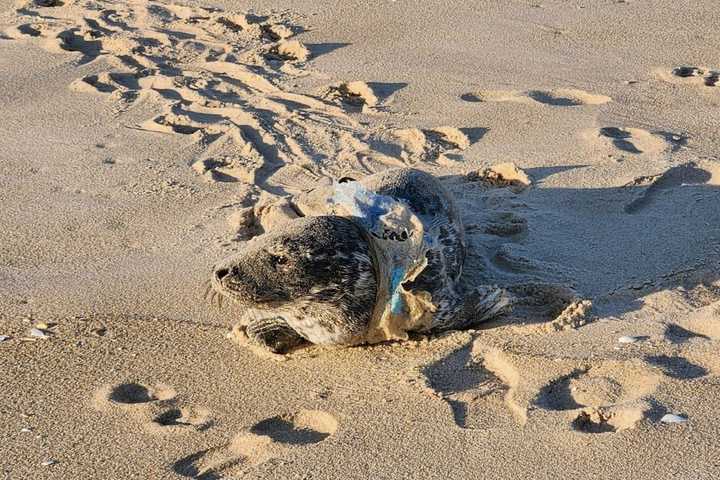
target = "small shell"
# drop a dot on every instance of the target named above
(672, 418)
(629, 339)
(37, 333)
(4, 337)
(48, 462)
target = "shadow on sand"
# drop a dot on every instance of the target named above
(612, 245)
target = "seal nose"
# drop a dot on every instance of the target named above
(221, 273)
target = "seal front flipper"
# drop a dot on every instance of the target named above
(274, 334)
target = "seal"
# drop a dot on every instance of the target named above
(356, 262)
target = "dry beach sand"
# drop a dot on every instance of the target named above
(138, 136)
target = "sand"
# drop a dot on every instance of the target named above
(139, 137)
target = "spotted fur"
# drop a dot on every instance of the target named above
(315, 276)
(316, 273)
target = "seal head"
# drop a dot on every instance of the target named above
(315, 273)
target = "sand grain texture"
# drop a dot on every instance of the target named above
(141, 141)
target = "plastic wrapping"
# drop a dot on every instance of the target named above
(398, 243)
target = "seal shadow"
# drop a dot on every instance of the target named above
(613, 245)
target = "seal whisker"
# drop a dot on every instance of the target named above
(209, 296)
(213, 297)
(208, 290)
(216, 300)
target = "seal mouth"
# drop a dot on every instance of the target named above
(216, 279)
(217, 290)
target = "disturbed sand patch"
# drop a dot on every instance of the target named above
(222, 79)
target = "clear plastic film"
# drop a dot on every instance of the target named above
(398, 244)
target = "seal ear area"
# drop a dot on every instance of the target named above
(336, 245)
(329, 256)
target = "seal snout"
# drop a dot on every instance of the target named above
(240, 283)
(221, 273)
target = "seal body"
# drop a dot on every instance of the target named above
(435, 207)
(314, 278)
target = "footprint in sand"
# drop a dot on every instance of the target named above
(131, 393)
(157, 407)
(677, 367)
(221, 78)
(358, 96)
(601, 398)
(538, 289)
(697, 338)
(691, 75)
(635, 141)
(703, 323)
(500, 224)
(352, 95)
(289, 50)
(562, 97)
(499, 186)
(495, 178)
(478, 387)
(301, 428)
(225, 461)
(432, 145)
(678, 335)
(265, 440)
(676, 177)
